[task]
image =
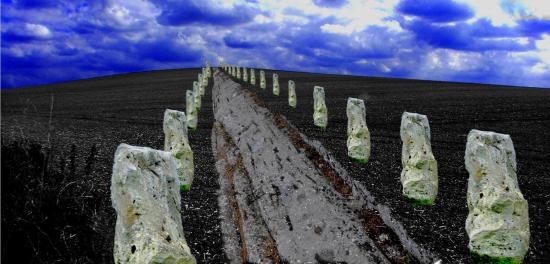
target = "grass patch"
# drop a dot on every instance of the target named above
(49, 206)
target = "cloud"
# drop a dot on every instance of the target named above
(33, 3)
(462, 40)
(167, 50)
(479, 36)
(17, 32)
(436, 11)
(240, 42)
(534, 26)
(330, 3)
(177, 13)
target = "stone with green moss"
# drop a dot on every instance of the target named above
(358, 143)
(292, 94)
(320, 113)
(191, 110)
(177, 143)
(498, 218)
(276, 88)
(145, 195)
(419, 175)
(262, 80)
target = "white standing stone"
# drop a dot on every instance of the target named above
(146, 198)
(191, 110)
(197, 94)
(238, 72)
(208, 70)
(197, 86)
(204, 84)
(262, 80)
(291, 94)
(245, 75)
(200, 81)
(419, 175)
(320, 112)
(358, 133)
(498, 219)
(252, 77)
(176, 142)
(276, 87)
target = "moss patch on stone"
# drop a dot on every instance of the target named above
(418, 202)
(185, 187)
(360, 161)
(481, 258)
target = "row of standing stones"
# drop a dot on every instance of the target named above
(145, 189)
(498, 218)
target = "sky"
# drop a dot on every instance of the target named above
(482, 41)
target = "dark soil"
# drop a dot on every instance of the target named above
(104, 112)
(453, 109)
(91, 118)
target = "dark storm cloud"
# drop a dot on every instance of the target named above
(239, 42)
(437, 11)
(14, 37)
(330, 3)
(167, 50)
(177, 13)
(32, 3)
(534, 26)
(479, 36)
(333, 49)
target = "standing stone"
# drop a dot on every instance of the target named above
(252, 77)
(498, 218)
(204, 84)
(191, 110)
(145, 196)
(238, 72)
(275, 84)
(262, 80)
(175, 141)
(208, 70)
(200, 84)
(197, 94)
(358, 133)
(291, 94)
(419, 174)
(197, 86)
(245, 75)
(320, 117)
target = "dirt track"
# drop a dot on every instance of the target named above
(452, 109)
